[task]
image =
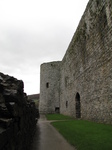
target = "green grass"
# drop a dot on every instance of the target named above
(57, 117)
(85, 135)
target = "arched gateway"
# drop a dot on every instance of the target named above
(78, 106)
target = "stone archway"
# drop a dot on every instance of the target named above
(78, 105)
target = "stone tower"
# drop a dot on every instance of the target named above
(49, 89)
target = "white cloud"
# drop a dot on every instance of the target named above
(33, 32)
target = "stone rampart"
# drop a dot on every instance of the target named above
(87, 66)
(85, 86)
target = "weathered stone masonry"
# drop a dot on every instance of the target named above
(17, 115)
(86, 69)
(50, 92)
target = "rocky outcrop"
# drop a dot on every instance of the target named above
(17, 115)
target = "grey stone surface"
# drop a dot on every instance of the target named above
(86, 68)
(49, 90)
(17, 115)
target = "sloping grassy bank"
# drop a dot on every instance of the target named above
(85, 135)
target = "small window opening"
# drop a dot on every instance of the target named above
(66, 104)
(47, 85)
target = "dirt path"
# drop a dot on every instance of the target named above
(47, 138)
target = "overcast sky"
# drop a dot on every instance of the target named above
(33, 32)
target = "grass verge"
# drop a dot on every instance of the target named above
(84, 135)
(57, 117)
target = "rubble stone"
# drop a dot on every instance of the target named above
(18, 115)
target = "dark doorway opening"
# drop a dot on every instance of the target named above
(57, 110)
(78, 106)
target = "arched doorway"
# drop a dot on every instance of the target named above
(78, 106)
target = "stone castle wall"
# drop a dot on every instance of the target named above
(49, 90)
(86, 69)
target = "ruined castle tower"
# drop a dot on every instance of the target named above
(50, 87)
